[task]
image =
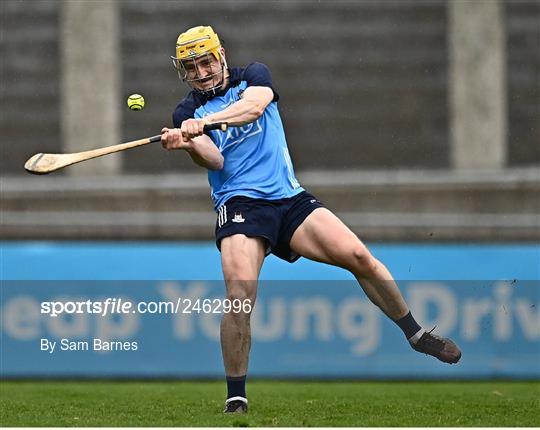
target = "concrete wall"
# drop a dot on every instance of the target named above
(405, 205)
(365, 93)
(477, 82)
(30, 82)
(523, 62)
(363, 84)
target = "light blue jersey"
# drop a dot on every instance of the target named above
(257, 162)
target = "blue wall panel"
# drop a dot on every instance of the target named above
(311, 320)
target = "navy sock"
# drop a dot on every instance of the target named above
(236, 386)
(409, 326)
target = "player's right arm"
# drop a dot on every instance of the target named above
(201, 149)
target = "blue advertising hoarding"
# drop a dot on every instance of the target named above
(310, 320)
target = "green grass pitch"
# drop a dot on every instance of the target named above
(280, 403)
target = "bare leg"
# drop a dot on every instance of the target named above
(382, 290)
(323, 237)
(241, 259)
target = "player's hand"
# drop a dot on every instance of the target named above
(171, 138)
(192, 128)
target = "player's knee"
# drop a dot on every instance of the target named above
(237, 293)
(241, 291)
(362, 262)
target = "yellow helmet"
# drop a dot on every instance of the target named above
(197, 41)
(190, 46)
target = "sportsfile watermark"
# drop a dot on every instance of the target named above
(114, 305)
(164, 328)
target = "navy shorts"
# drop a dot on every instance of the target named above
(274, 220)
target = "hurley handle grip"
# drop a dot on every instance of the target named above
(223, 126)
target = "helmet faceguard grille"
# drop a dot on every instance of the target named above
(198, 70)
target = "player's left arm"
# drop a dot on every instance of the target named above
(248, 109)
(258, 94)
